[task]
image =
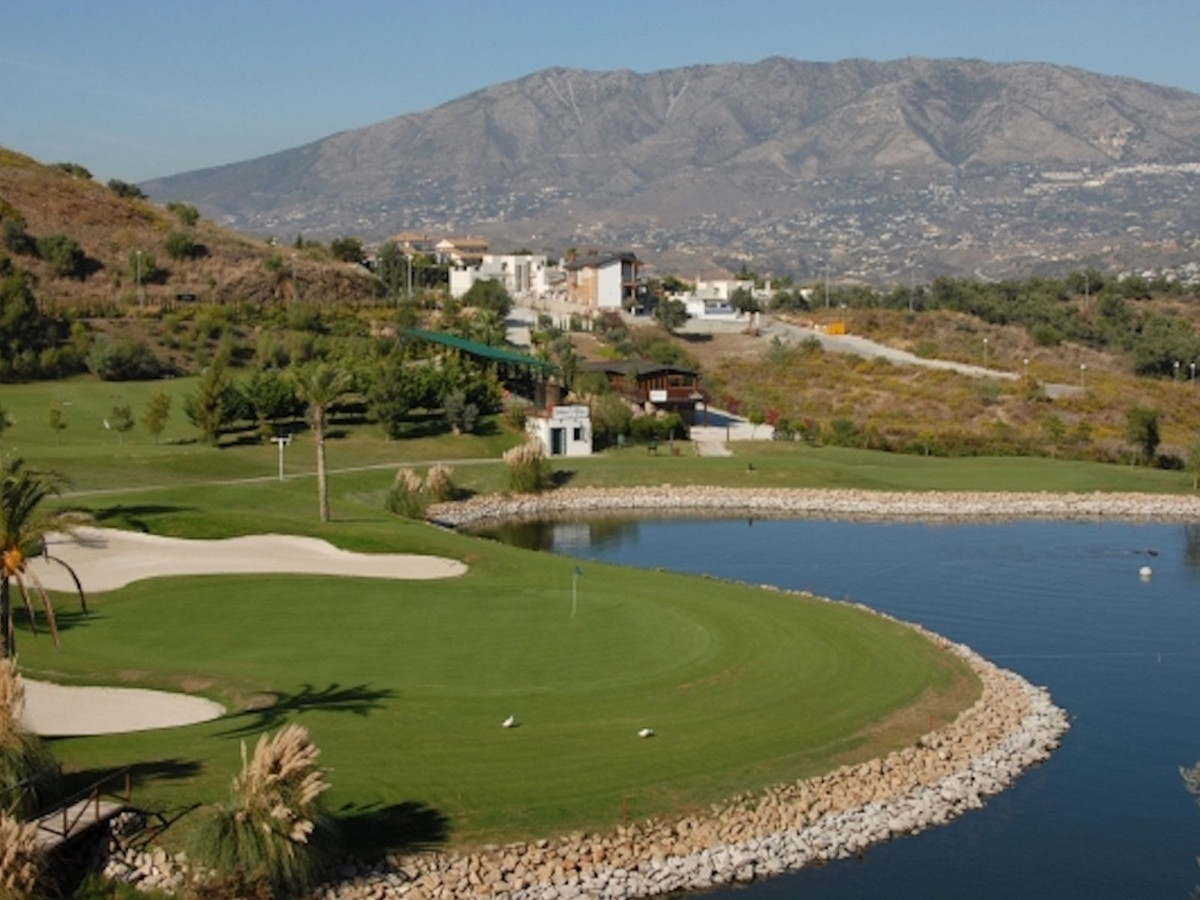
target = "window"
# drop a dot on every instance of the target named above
(577, 434)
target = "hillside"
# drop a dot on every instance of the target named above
(953, 165)
(41, 200)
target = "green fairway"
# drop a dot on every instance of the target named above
(404, 684)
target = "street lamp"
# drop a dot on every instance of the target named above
(1193, 374)
(1027, 368)
(137, 270)
(1082, 374)
(985, 353)
(1176, 370)
(282, 441)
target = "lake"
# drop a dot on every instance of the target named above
(1061, 603)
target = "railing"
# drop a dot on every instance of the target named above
(73, 809)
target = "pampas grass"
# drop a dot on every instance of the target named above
(20, 859)
(405, 497)
(408, 496)
(273, 829)
(439, 483)
(27, 770)
(528, 469)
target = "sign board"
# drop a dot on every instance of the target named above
(658, 396)
(570, 412)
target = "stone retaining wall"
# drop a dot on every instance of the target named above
(806, 503)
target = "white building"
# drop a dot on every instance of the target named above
(562, 430)
(524, 276)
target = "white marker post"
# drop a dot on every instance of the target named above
(282, 442)
(575, 590)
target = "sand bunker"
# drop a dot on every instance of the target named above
(106, 559)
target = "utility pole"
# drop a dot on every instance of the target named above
(827, 284)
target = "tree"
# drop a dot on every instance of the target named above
(272, 398)
(158, 410)
(5, 422)
(1193, 463)
(207, 407)
(1141, 429)
(120, 420)
(346, 249)
(671, 314)
(392, 269)
(320, 387)
(56, 418)
(23, 530)
(488, 294)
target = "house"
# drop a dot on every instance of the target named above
(654, 387)
(412, 242)
(603, 281)
(525, 276)
(562, 430)
(461, 251)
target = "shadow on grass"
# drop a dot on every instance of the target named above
(111, 780)
(373, 830)
(277, 706)
(562, 477)
(64, 621)
(134, 517)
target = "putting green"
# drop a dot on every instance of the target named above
(404, 686)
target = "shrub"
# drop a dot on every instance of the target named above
(180, 245)
(14, 237)
(528, 469)
(185, 212)
(73, 169)
(439, 483)
(27, 770)
(63, 254)
(123, 359)
(461, 416)
(405, 497)
(21, 859)
(125, 189)
(273, 829)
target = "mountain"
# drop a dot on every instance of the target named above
(869, 167)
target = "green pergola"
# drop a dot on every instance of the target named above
(482, 351)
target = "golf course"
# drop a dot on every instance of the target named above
(404, 684)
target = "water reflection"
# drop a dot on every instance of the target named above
(1191, 781)
(564, 536)
(1191, 545)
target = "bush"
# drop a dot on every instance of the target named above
(439, 483)
(123, 359)
(185, 212)
(125, 189)
(180, 245)
(21, 859)
(273, 829)
(14, 237)
(528, 469)
(63, 254)
(28, 774)
(406, 497)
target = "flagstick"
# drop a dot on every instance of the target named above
(574, 592)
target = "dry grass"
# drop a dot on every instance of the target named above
(20, 859)
(109, 228)
(273, 829)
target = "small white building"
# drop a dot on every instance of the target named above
(562, 430)
(524, 276)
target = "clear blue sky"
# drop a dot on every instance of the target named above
(136, 89)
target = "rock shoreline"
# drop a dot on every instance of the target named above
(820, 503)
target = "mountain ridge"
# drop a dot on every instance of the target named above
(573, 156)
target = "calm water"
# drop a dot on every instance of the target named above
(1060, 603)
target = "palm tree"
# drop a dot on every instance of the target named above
(320, 387)
(23, 529)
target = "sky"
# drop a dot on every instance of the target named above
(137, 89)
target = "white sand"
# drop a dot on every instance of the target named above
(106, 559)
